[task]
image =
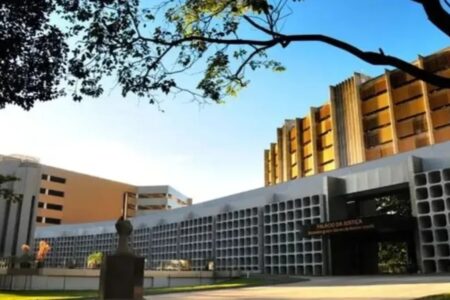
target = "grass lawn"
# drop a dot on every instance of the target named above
(50, 295)
(436, 297)
(84, 295)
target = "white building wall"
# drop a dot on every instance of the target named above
(17, 221)
(311, 259)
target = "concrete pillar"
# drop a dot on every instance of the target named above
(334, 128)
(426, 101)
(392, 118)
(272, 163)
(299, 141)
(312, 115)
(266, 167)
(359, 124)
(286, 152)
(280, 158)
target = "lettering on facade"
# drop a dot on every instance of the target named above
(338, 227)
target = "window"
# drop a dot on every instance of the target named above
(41, 204)
(52, 221)
(150, 207)
(57, 179)
(56, 193)
(419, 124)
(42, 191)
(39, 219)
(44, 177)
(54, 206)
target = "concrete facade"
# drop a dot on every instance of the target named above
(365, 119)
(17, 219)
(261, 230)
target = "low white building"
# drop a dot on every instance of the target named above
(159, 197)
(326, 224)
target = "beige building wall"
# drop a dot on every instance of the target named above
(68, 197)
(305, 147)
(365, 119)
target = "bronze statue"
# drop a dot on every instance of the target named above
(124, 229)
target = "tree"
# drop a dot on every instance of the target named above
(393, 205)
(7, 193)
(393, 256)
(42, 251)
(32, 55)
(148, 47)
(94, 259)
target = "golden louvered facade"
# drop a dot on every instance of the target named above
(365, 119)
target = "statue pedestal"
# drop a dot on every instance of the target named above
(122, 277)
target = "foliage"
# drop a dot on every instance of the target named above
(32, 55)
(393, 205)
(148, 47)
(94, 259)
(43, 250)
(7, 193)
(47, 295)
(392, 257)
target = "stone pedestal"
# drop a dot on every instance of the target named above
(122, 277)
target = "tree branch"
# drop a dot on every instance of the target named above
(248, 59)
(374, 58)
(436, 14)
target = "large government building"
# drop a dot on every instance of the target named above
(328, 224)
(365, 119)
(363, 178)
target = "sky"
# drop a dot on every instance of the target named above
(215, 150)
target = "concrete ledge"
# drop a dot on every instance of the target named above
(96, 273)
(179, 274)
(88, 279)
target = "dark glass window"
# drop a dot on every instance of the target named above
(39, 219)
(57, 179)
(44, 176)
(42, 191)
(56, 193)
(41, 204)
(52, 221)
(54, 206)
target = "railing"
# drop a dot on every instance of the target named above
(14, 262)
(7, 262)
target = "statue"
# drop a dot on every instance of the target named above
(124, 229)
(122, 274)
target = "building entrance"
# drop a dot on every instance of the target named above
(372, 233)
(373, 253)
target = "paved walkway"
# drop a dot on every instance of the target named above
(351, 288)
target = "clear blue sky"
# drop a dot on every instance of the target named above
(211, 151)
